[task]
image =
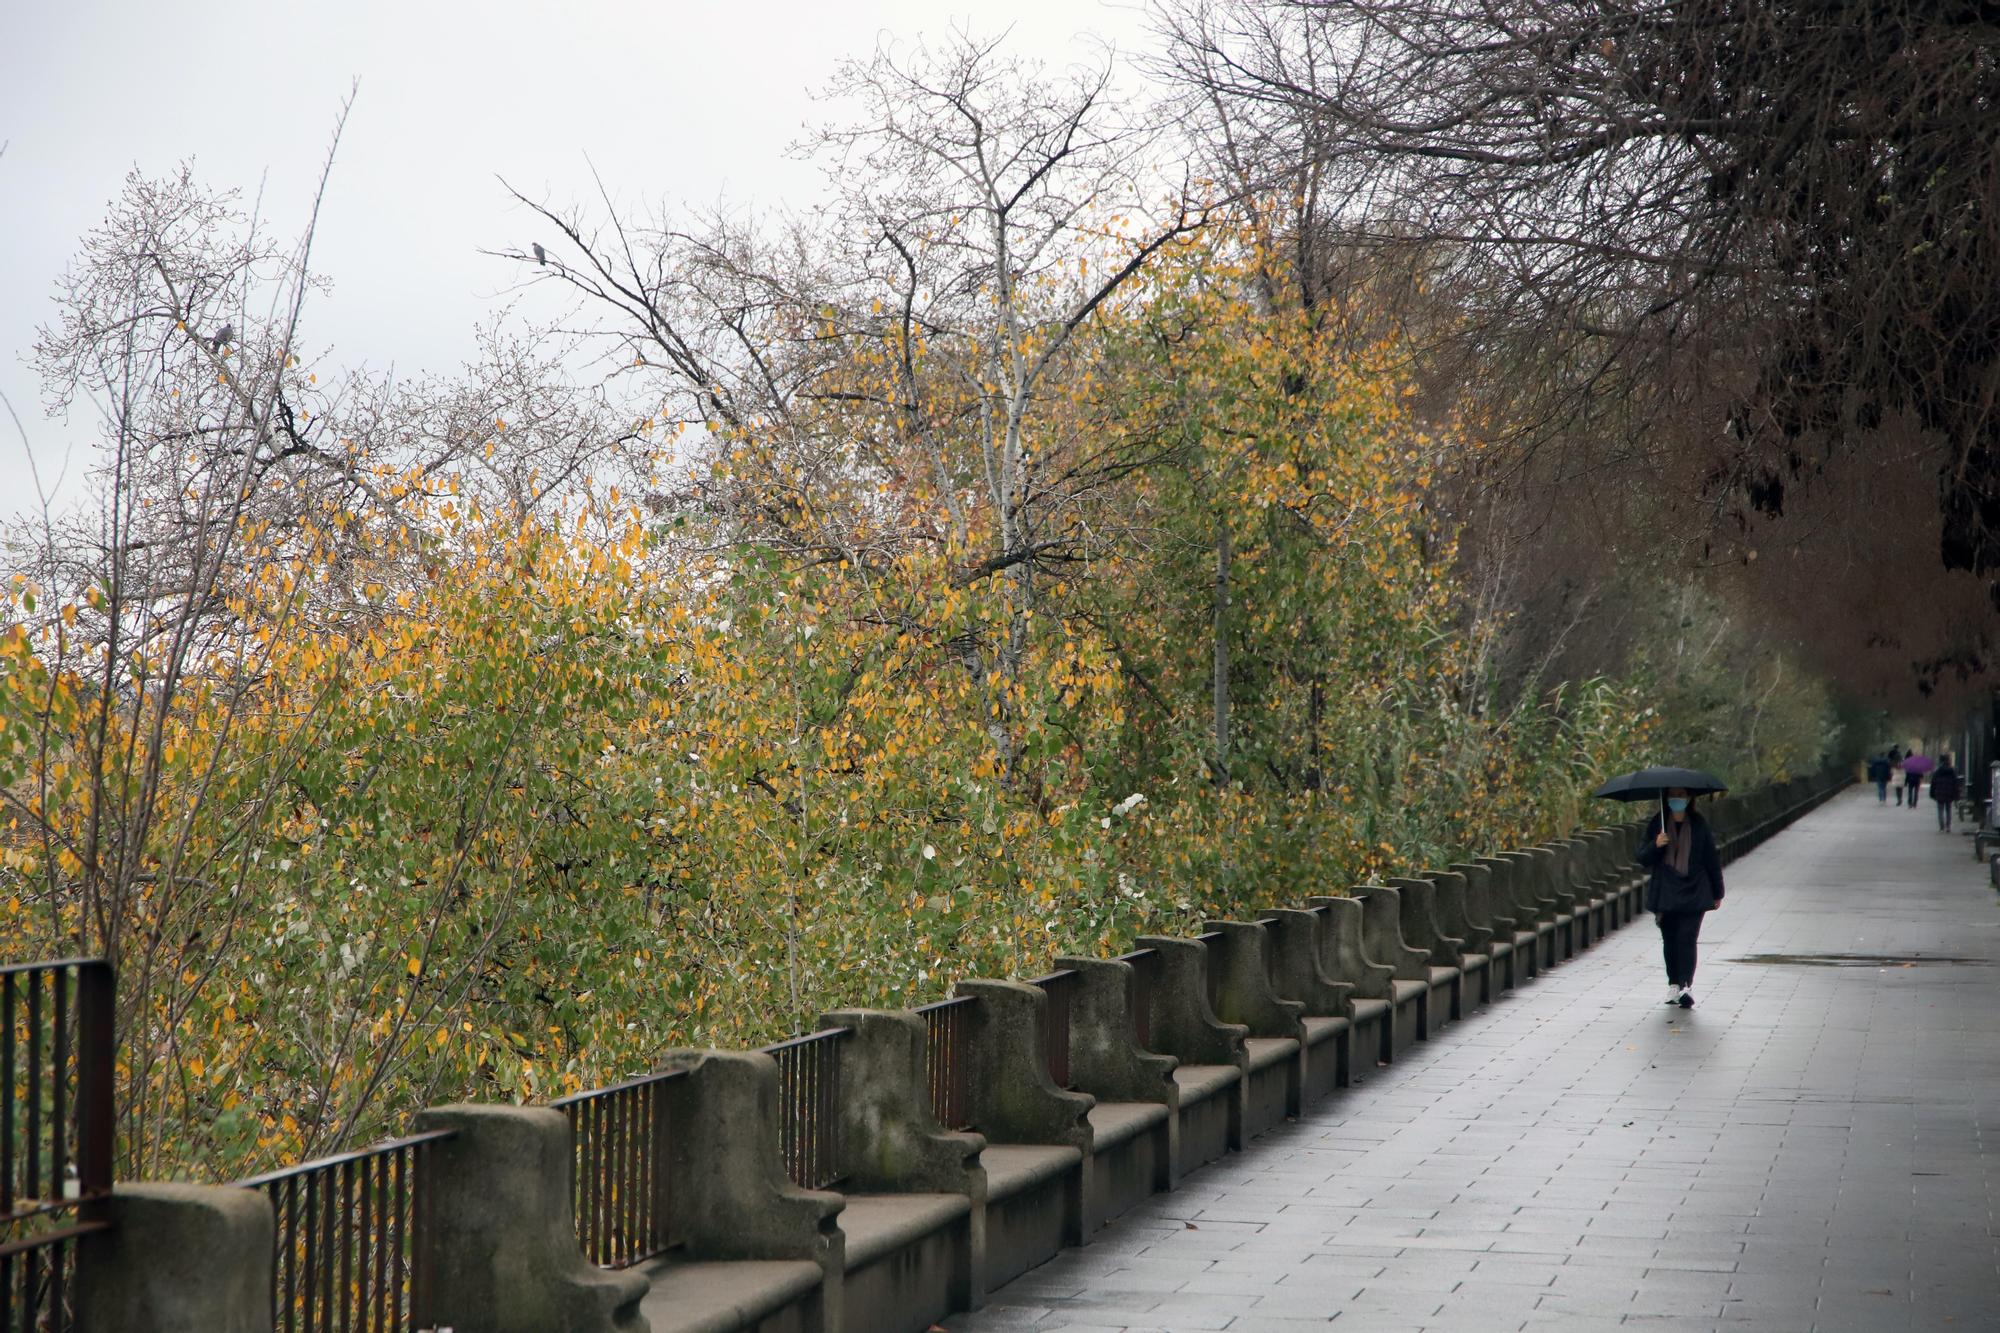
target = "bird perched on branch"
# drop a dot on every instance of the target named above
(541, 255)
(225, 334)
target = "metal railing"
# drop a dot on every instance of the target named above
(351, 1253)
(57, 1062)
(1145, 965)
(809, 1106)
(1060, 987)
(948, 1060)
(35, 1277)
(619, 1137)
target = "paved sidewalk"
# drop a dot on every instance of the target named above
(1812, 1148)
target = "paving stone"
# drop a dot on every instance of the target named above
(1810, 1148)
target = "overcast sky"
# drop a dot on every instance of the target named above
(674, 101)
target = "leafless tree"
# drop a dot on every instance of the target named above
(984, 210)
(1698, 253)
(224, 448)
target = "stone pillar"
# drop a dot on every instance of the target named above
(178, 1259)
(1491, 921)
(1182, 1023)
(1109, 1064)
(1456, 908)
(1243, 995)
(1344, 958)
(1297, 968)
(1013, 1098)
(1482, 905)
(1243, 982)
(1509, 878)
(1566, 872)
(731, 1196)
(890, 1142)
(1614, 860)
(504, 1253)
(1343, 953)
(1104, 1058)
(1572, 888)
(1422, 928)
(1184, 1026)
(1382, 934)
(1539, 875)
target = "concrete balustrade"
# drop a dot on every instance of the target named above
(1344, 956)
(752, 1250)
(1213, 1069)
(1039, 1139)
(915, 1214)
(1417, 900)
(177, 1259)
(1135, 1122)
(1294, 962)
(1475, 964)
(1219, 1038)
(503, 1239)
(1276, 1046)
(1410, 968)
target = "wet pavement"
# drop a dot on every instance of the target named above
(1810, 1148)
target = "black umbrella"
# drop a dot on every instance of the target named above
(1651, 784)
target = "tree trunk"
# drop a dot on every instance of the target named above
(1220, 682)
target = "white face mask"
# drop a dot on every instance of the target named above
(1677, 804)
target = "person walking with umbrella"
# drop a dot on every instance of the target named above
(1914, 767)
(1683, 864)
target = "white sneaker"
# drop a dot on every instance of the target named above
(1674, 994)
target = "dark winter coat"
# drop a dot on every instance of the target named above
(1944, 784)
(1669, 891)
(1878, 769)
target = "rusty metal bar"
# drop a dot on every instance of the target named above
(346, 1244)
(948, 1060)
(1143, 963)
(619, 1186)
(1060, 987)
(809, 1098)
(31, 1181)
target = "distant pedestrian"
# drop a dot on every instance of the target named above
(1913, 781)
(1944, 790)
(1878, 773)
(1685, 882)
(1896, 775)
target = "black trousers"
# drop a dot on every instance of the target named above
(1944, 815)
(1678, 933)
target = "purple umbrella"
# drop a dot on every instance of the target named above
(1918, 763)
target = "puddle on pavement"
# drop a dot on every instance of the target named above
(1863, 960)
